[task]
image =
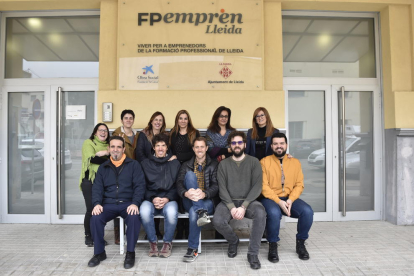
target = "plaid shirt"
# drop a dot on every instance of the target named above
(199, 174)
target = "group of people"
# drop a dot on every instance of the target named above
(138, 175)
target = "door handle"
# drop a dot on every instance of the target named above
(59, 151)
(343, 153)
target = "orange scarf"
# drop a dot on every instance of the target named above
(119, 162)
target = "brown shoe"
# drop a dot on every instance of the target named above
(166, 250)
(153, 252)
(116, 235)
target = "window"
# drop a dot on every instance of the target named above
(328, 47)
(52, 47)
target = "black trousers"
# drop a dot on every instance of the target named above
(86, 187)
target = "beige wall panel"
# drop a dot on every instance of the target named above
(404, 109)
(200, 105)
(401, 48)
(389, 105)
(273, 46)
(108, 45)
(185, 28)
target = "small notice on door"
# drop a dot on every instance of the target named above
(75, 112)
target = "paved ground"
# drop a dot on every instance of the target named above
(336, 248)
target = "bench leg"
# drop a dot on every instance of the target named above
(199, 244)
(121, 236)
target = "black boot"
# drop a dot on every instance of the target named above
(232, 251)
(96, 259)
(129, 260)
(301, 250)
(273, 256)
(88, 240)
(253, 261)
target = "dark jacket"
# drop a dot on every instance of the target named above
(160, 176)
(143, 149)
(210, 178)
(186, 152)
(123, 184)
(251, 143)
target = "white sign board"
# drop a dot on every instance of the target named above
(75, 112)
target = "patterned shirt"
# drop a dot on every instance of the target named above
(199, 172)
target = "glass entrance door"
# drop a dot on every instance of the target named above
(32, 162)
(356, 152)
(315, 129)
(76, 109)
(26, 198)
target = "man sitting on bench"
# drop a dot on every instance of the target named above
(118, 190)
(240, 184)
(161, 195)
(197, 185)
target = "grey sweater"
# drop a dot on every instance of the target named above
(242, 182)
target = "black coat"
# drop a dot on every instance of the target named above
(143, 149)
(210, 178)
(123, 184)
(160, 176)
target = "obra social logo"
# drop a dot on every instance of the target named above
(212, 19)
(147, 78)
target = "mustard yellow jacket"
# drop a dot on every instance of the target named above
(272, 178)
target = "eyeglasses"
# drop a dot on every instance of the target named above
(233, 143)
(102, 130)
(223, 116)
(258, 116)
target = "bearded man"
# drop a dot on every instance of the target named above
(240, 184)
(282, 186)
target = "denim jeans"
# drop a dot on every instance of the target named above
(192, 207)
(170, 213)
(300, 210)
(254, 211)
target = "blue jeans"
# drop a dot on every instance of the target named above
(300, 210)
(170, 213)
(192, 207)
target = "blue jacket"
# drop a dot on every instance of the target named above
(251, 143)
(123, 184)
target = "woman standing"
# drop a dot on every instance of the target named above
(94, 152)
(129, 134)
(258, 137)
(217, 133)
(156, 125)
(182, 135)
(181, 138)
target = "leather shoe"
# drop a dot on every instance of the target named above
(301, 250)
(96, 259)
(232, 251)
(273, 256)
(129, 260)
(253, 261)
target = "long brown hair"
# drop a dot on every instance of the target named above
(148, 130)
(191, 131)
(214, 126)
(269, 124)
